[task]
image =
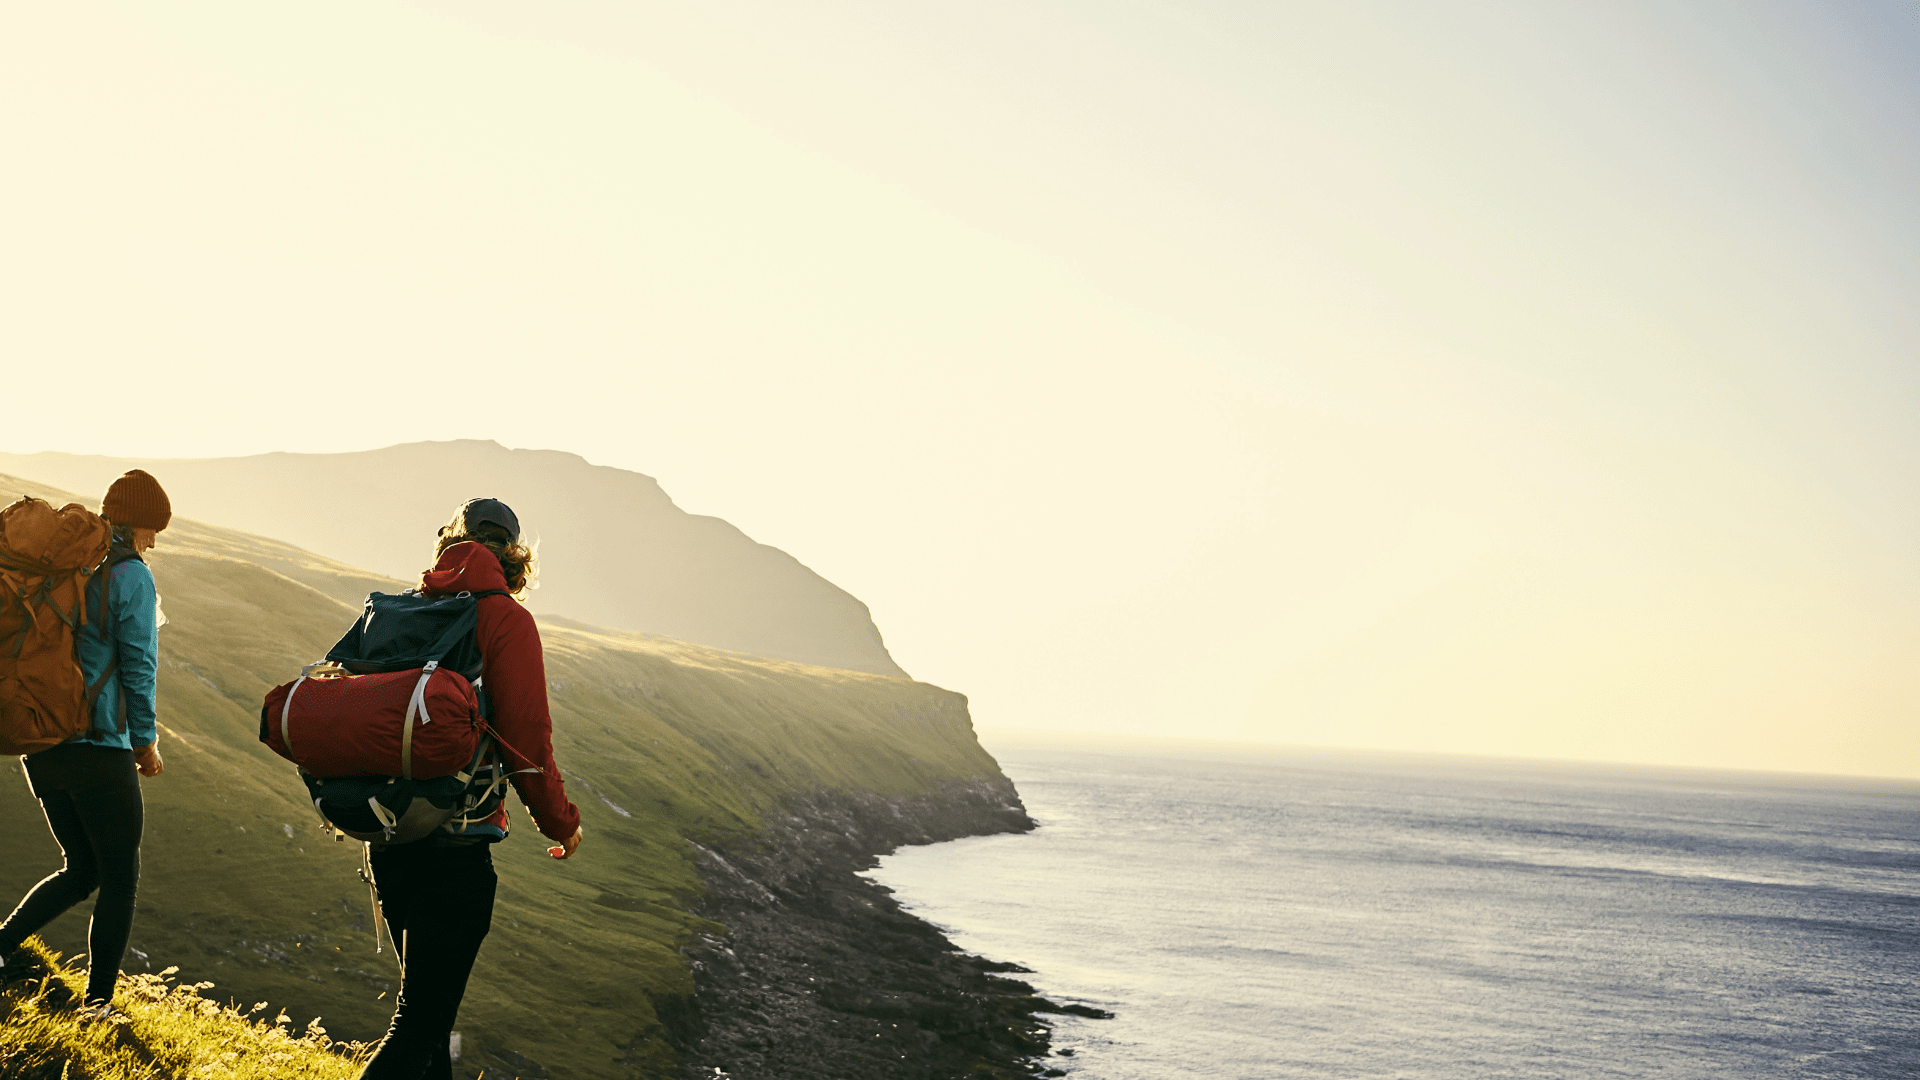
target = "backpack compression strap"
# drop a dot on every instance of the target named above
(417, 706)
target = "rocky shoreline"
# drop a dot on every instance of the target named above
(822, 976)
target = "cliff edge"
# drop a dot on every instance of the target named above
(729, 800)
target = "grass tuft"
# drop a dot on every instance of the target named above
(169, 1032)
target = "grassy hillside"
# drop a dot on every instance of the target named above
(661, 741)
(169, 1030)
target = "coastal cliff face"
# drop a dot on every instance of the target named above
(729, 801)
(820, 975)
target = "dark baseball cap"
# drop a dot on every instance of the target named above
(492, 512)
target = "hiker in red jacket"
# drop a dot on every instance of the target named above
(437, 893)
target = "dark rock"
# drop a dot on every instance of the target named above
(822, 976)
(680, 1016)
(1087, 1011)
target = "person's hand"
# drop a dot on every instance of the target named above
(565, 851)
(147, 759)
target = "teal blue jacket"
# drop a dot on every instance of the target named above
(131, 629)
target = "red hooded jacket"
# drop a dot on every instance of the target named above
(516, 682)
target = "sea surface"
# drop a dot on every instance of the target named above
(1257, 914)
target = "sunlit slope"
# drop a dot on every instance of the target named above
(661, 741)
(616, 550)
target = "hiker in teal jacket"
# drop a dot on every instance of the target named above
(89, 786)
(120, 654)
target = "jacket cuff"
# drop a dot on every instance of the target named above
(563, 829)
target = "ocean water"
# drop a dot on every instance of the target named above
(1326, 915)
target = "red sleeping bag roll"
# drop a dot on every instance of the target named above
(417, 724)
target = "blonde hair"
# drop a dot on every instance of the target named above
(519, 562)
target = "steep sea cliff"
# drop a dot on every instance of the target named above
(822, 976)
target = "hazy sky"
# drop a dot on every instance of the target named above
(1516, 378)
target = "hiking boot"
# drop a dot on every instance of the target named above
(101, 1012)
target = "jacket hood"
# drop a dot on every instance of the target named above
(465, 567)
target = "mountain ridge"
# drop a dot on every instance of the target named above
(615, 549)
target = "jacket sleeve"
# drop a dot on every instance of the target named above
(136, 635)
(516, 683)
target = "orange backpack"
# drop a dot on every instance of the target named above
(45, 557)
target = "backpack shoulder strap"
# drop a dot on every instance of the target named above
(477, 673)
(104, 573)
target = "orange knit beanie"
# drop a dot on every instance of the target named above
(137, 499)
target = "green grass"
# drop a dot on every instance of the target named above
(171, 1030)
(661, 741)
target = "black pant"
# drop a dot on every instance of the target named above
(438, 903)
(91, 796)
